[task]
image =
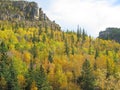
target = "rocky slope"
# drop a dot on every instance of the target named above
(25, 11)
(110, 34)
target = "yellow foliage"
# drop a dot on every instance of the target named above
(69, 76)
(33, 86)
(27, 57)
(21, 81)
(64, 69)
(3, 82)
(101, 61)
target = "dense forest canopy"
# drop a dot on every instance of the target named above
(34, 56)
(55, 59)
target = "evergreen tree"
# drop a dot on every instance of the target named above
(73, 51)
(72, 39)
(96, 54)
(44, 38)
(41, 79)
(3, 48)
(87, 79)
(52, 34)
(4, 63)
(13, 81)
(95, 66)
(40, 29)
(67, 50)
(34, 51)
(50, 57)
(30, 76)
(63, 36)
(34, 38)
(90, 50)
(78, 33)
(83, 36)
(46, 28)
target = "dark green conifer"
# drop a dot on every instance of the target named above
(67, 49)
(87, 79)
(50, 56)
(41, 79)
(96, 54)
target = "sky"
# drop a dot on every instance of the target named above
(92, 15)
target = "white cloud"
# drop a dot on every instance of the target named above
(93, 15)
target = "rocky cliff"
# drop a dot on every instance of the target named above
(25, 11)
(110, 34)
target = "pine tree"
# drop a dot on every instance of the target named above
(87, 78)
(52, 34)
(83, 36)
(72, 39)
(30, 76)
(96, 54)
(73, 51)
(46, 28)
(95, 65)
(44, 38)
(90, 50)
(34, 38)
(3, 47)
(40, 29)
(34, 51)
(41, 79)
(50, 57)
(13, 81)
(4, 63)
(63, 36)
(67, 50)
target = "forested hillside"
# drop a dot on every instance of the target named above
(38, 55)
(35, 58)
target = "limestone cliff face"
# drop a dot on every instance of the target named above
(24, 11)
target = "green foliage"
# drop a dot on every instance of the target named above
(50, 56)
(73, 51)
(96, 54)
(4, 64)
(41, 79)
(24, 49)
(13, 81)
(83, 36)
(87, 77)
(3, 47)
(44, 38)
(67, 49)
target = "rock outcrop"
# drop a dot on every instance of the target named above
(24, 11)
(110, 34)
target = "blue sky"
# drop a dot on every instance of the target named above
(92, 15)
(117, 2)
